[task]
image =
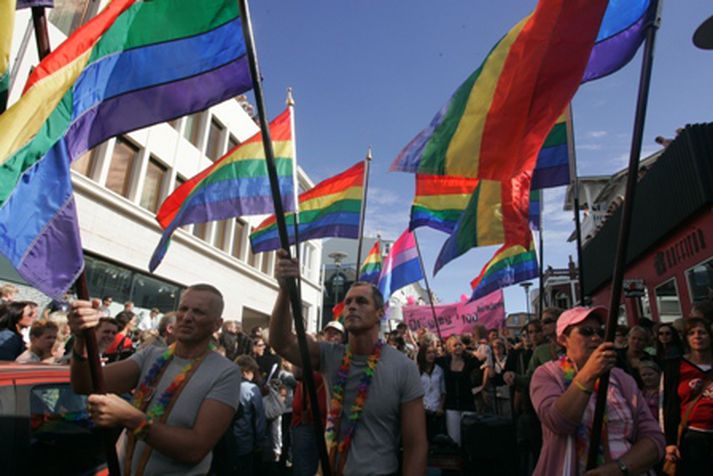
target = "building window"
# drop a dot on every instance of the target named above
(667, 301)
(68, 15)
(200, 230)
(122, 163)
(252, 257)
(232, 142)
(192, 130)
(85, 164)
(214, 149)
(220, 236)
(306, 258)
(238, 238)
(155, 175)
(265, 265)
(176, 123)
(700, 281)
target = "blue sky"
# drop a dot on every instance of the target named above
(375, 72)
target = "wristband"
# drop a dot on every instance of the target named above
(586, 390)
(622, 467)
(141, 432)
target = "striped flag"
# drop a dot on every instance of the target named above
(7, 22)
(330, 209)
(401, 267)
(371, 268)
(237, 184)
(496, 123)
(134, 64)
(511, 264)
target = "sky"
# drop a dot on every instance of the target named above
(374, 73)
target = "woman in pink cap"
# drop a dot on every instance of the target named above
(563, 394)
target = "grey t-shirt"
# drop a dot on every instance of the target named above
(374, 449)
(217, 378)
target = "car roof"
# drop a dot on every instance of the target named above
(32, 373)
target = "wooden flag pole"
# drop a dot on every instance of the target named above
(295, 301)
(39, 21)
(295, 185)
(625, 227)
(428, 288)
(362, 213)
(541, 294)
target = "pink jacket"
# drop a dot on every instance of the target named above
(547, 386)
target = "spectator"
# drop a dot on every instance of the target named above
(688, 403)
(434, 390)
(334, 332)
(620, 341)
(502, 401)
(668, 343)
(628, 359)
(166, 329)
(650, 377)
(14, 317)
(122, 347)
(562, 392)
(458, 368)
(492, 335)
(229, 339)
(104, 309)
(703, 310)
(43, 334)
(129, 306)
(7, 293)
(549, 323)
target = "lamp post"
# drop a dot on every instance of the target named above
(526, 286)
(337, 279)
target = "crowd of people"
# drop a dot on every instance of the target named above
(387, 403)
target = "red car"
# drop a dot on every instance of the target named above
(44, 425)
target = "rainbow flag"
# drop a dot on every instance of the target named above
(135, 64)
(497, 212)
(237, 184)
(401, 267)
(7, 22)
(496, 123)
(509, 265)
(331, 209)
(371, 268)
(535, 210)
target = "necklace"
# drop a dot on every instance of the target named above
(335, 412)
(145, 391)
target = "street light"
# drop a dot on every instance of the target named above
(337, 279)
(526, 286)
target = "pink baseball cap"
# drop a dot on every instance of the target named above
(574, 316)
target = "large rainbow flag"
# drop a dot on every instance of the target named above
(331, 209)
(552, 167)
(495, 124)
(237, 184)
(497, 212)
(370, 270)
(511, 264)
(135, 64)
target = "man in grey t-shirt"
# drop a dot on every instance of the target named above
(179, 442)
(393, 411)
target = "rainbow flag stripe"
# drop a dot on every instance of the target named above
(237, 184)
(371, 268)
(7, 22)
(509, 265)
(402, 266)
(552, 169)
(495, 124)
(135, 64)
(331, 209)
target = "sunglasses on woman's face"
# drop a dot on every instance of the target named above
(589, 331)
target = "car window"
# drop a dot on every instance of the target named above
(63, 438)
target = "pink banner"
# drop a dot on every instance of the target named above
(460, 317)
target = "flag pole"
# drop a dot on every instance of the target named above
(625, 225)
(428, 288)
(97, 376)
(295, 300)
(541, 294)
(39, 22)
(362, 214)
(295, 186)
(572, 154)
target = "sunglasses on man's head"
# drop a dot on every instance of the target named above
(589, 331)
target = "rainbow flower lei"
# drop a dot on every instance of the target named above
(146, 389)
(357, 408)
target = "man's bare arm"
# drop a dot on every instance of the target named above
(413, 431)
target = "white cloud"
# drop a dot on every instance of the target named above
(589, 147)
(596, 134)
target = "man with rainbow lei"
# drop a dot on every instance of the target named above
(376, 394)
(184, 395)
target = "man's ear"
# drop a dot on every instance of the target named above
(218, 324)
